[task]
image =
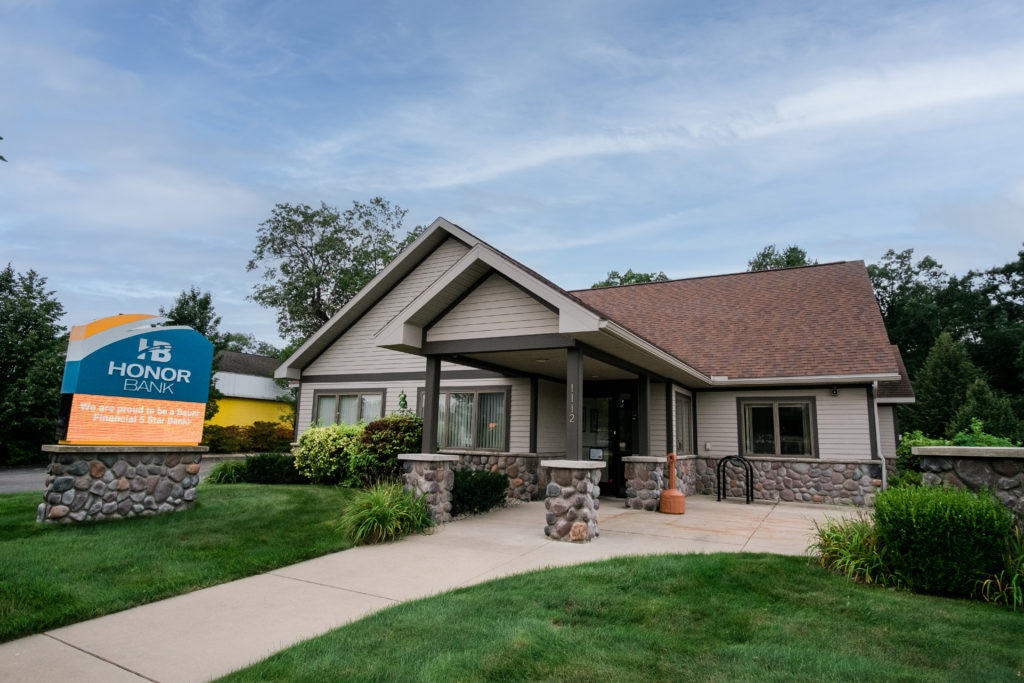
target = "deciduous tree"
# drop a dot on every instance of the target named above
(770, 258)
(314, 260)
(614, 279)
(194, 309)
(32, 352)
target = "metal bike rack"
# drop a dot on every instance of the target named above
(748, 469)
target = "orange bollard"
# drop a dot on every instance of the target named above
(672, 501)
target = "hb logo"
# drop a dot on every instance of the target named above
(158, 351)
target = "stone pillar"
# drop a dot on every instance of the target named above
(93, 483)
(644, 476)
(432, 477)
(572, 500)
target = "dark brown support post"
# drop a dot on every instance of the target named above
(431, 394)
(643, 415)
(573, 404)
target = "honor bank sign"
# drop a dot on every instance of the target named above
(129, 381)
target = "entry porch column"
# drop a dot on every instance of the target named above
(573, 404)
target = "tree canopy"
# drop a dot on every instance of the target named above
(770, 258)
(195, 309)
(314, 260)
(614, 279)
(32, 352)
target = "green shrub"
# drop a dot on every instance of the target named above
(906, 461)
(941, 541)
(221, 439)
(227, 472)
(323, 452)
(1007, 587)
(269, 437)
(380, 444)
(976, 436)
(384, 512)
(272, 468)
(478, 491)
(261, 437)
(849, 547)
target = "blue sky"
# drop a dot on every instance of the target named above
(146, 141)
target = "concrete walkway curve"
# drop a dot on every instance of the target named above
(211, 632)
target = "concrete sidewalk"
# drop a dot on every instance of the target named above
(211, 632)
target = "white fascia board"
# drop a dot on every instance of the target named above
(435, 234)
(404, 331)
(902, 399)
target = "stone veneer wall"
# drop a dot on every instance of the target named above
(92, 483)
(431, 476)
(645, 479)
(999, 470)
(526, 478)
(803, 480)
(572, 500)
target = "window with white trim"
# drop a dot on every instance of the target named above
(473, 419)
(348, 408)
(684, 424)
(779, 427)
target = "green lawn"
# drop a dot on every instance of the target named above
(53, 575)
(726, 617)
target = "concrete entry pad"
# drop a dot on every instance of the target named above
(211, 632)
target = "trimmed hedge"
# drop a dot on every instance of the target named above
(261, 437)
(941, 541)
(380, 444)
(265, 468)
(478, 491)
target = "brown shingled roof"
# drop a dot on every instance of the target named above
(247, 363)
(795, 322)
(901, 389)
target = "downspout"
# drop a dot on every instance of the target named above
(878, 434)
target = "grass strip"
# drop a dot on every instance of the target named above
(723, 617)
(54, 575)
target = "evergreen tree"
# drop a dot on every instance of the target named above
(992, 408)
(940, 387)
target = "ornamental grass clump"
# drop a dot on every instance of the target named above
(941, 541)
(1007, 587)
(384, 512)
(849, 547)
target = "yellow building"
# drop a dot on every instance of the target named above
(250, 393)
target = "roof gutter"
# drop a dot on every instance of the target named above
(725, 381)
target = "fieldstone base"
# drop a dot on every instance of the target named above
(526, 480)
(999, 470)
(803, 480)
(432, 477)
(93, 483)
(645, 479)
(572, 500)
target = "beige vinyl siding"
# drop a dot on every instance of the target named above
(843, 429)
(356, 351)
(550, 417)
(657, 420)
(887, 430)
(496, 308)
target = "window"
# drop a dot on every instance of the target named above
(684, 425)
(780, 427)
(350, 408)
(471, 420)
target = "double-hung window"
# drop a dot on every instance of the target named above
(348, 408)
(473, 419)
(779, 427)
